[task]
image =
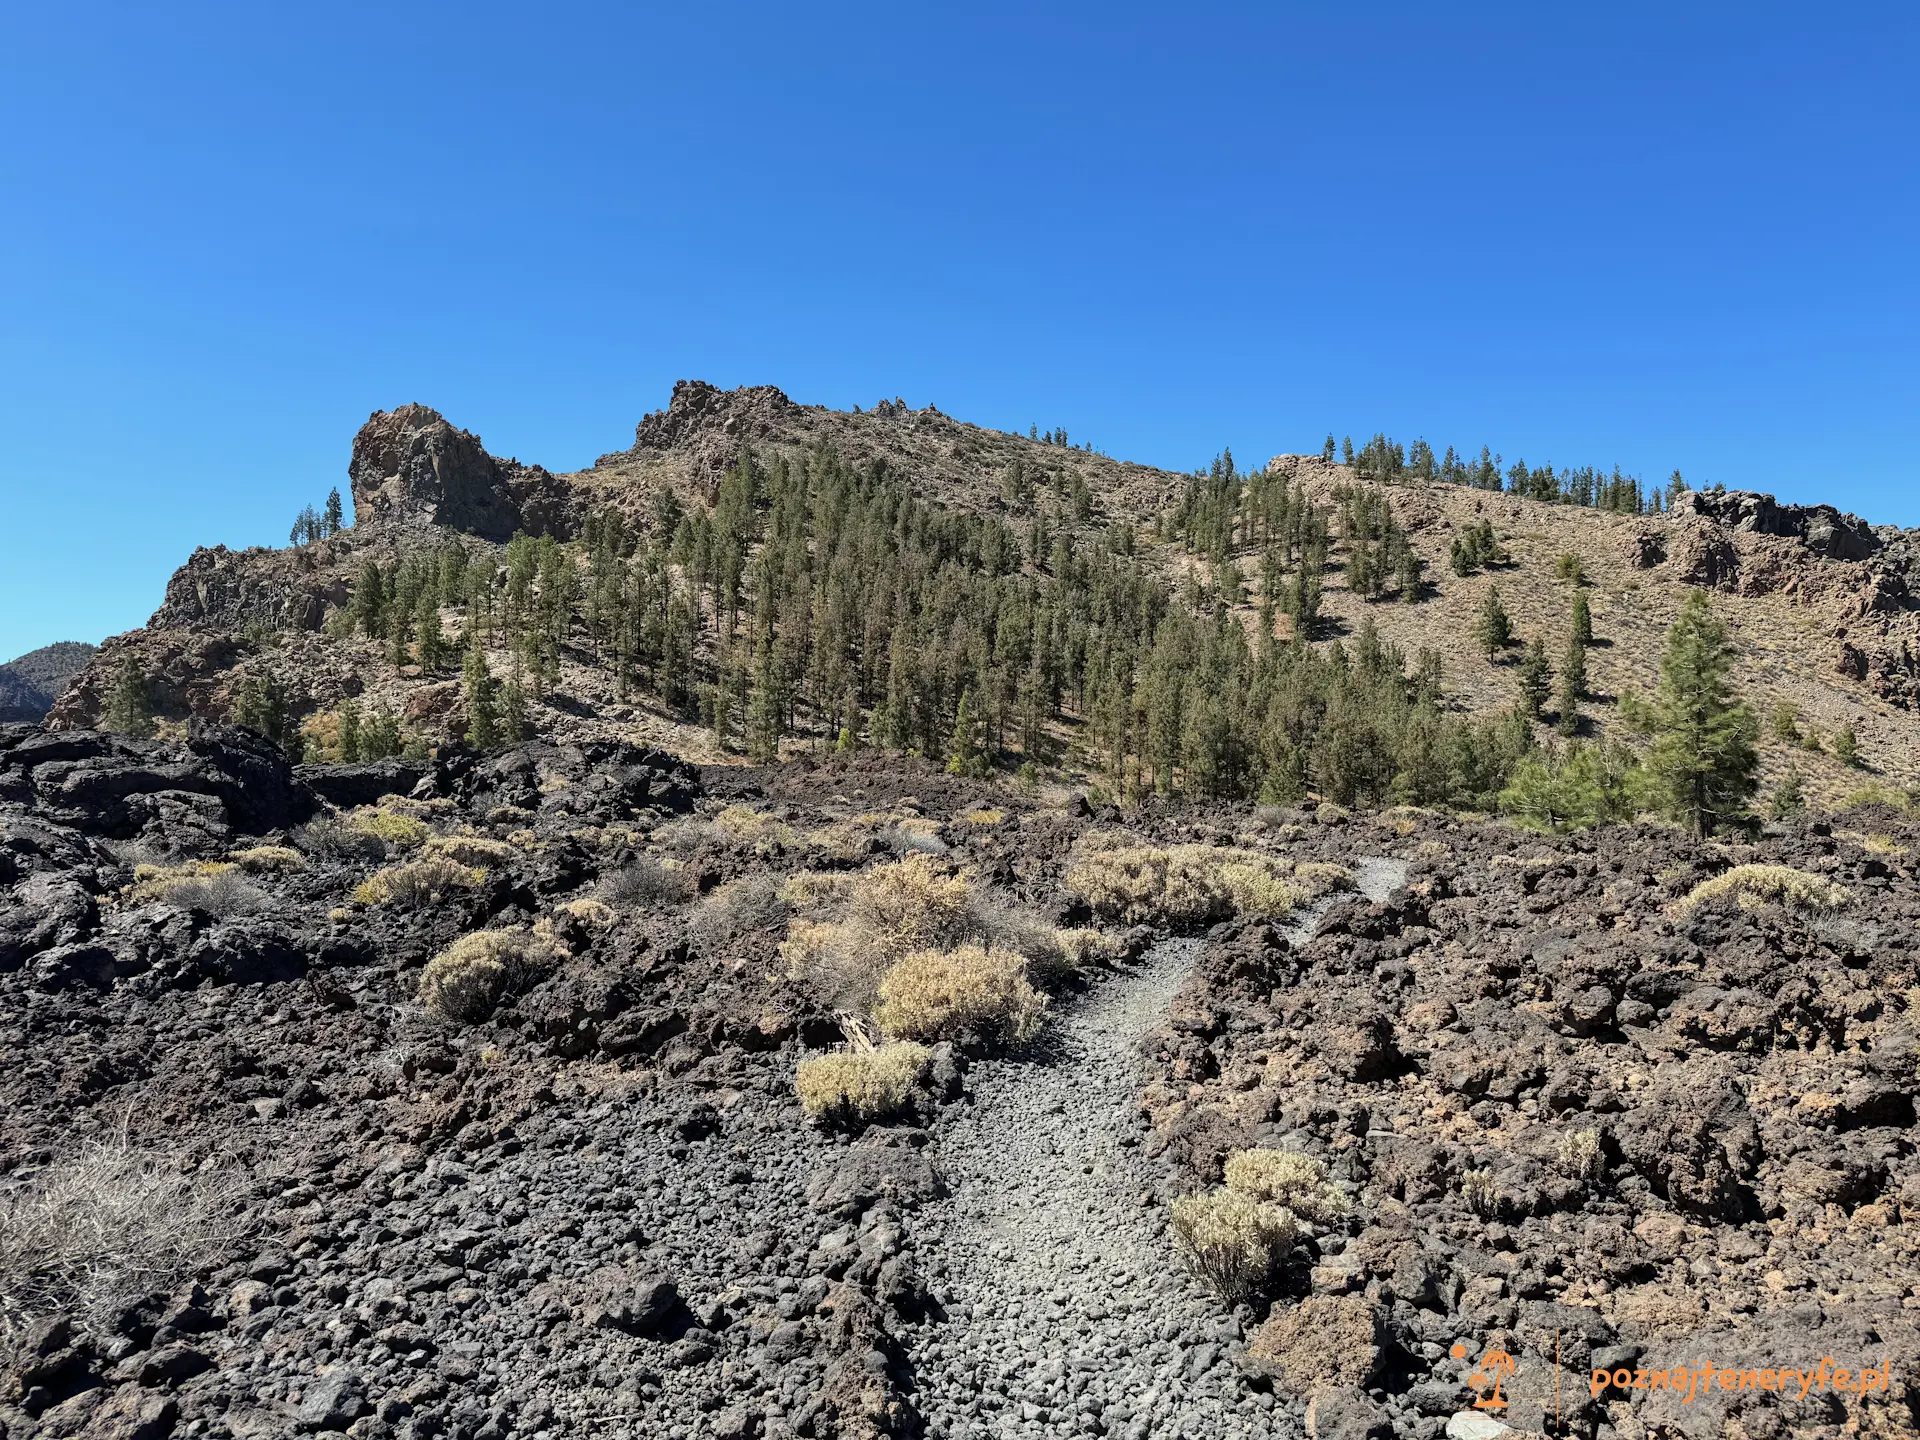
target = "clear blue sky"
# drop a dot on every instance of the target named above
(1651, 235)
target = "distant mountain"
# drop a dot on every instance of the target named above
(30, 685)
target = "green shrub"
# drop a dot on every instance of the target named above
(465, 982)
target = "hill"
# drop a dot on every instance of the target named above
(1000, 585)
(30, 684)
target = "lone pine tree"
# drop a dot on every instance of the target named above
(1703, 756)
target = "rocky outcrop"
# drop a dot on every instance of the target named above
(410, 465)
(1821, 528)
(273, 589)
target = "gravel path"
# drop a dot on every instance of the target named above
(1065, 1313)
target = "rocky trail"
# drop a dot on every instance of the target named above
(1064, 1314)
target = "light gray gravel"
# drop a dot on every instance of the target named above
(1065, 1312)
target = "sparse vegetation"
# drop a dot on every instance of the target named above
(217, 887)
(475, 851)
(1295, 1182)
(107, 1225)
(392, 827)
(466, 982)
(1769, 884)
(1188, 885)
(942, 994)
(269, 860)
(1229, 1241)
(417, 883)
(643, 884)
(857, 1087)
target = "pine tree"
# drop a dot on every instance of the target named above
(379, 734)
(1703, 755)
(965, 754)
(368, 604)
(1492, 629)
(1326, 451)
(1535, 678)
(514, 724)
(335, 513)
(432, 648)
(1573, 685)
(1789, 796)
(482, 693)
(1582, 619)
(259, 704)
(1846, 746)
(129, 706)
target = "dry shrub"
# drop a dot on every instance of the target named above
(216, 887)
(816, 889)
(390, 826)
(466, 981)
(1084, 946)
(1285, 1178)
(106, 1226)
(269, 860)
(591, 913)
(1230, 1242)
(736, 908)
(856, 1087)
(476, 851)
(939, 994)
(1189, 885)
(1322, 876)
(985, 815)
(746, 826)
(1258, 885)
(1481, 1192)
(914, 904)
(331, 837)
(1769, 884)
(643, 884)
(1579, 1155)
(416, 883)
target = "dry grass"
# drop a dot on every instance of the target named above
(985, 815)
(476, 851)
(466, 981)
(217, 887)
(643, 884)
(1084, 946)
(940, 994)
(744, 825)
(1189, 885)
(416, 883)
(816, 889)
(1290, 1180)
(269, 860)
(857, 1087)
(736, 908)
(110, 1224)
(1769, 885)
(1229, 1241)
(1579, 1154)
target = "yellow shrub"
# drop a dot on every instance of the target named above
(1320, 876)
(269, 860)
(1187, 885)
(466, 980)
(1256, 885)
(1775, 884)
(1229, 1241)
(402, 832)
(475, 850)
(985, 815)
(1294, 1181)
(852, 1087)
(416, 883)
(936, 995)
(1082, 947)
(594, 914)
(912, 904)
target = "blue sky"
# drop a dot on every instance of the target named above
(1650, 235)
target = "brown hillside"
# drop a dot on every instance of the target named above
(1820, 602)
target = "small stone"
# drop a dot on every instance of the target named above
(1474, 1425)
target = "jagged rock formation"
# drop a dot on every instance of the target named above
(410, 466)
(30, 685)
